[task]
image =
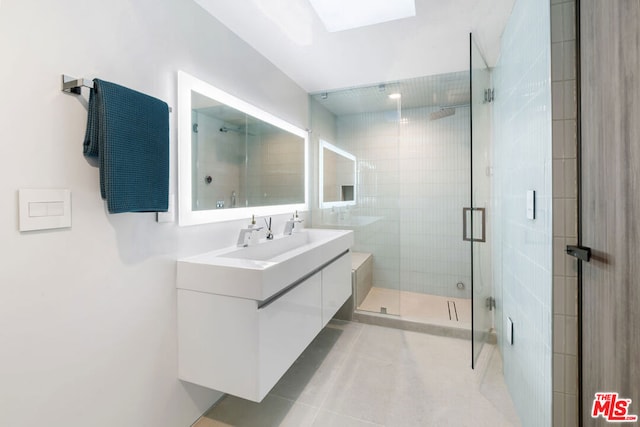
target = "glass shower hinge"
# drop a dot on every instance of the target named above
(490, 303)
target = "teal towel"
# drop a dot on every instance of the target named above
(128, 132)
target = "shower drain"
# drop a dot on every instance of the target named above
(453, 311)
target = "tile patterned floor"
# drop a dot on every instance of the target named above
(363, 375)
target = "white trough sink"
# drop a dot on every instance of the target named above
(261, 271)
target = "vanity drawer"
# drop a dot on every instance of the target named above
(287, 327)
(231, 345)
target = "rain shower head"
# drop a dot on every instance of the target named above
(446, 111)
(442, 113)
(242, 131)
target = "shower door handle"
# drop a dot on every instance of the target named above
(466, 213)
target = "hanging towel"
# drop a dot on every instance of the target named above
(128, 132)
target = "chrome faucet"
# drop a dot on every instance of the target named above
(291, 224)
(252, 228)
(242, 237)
(268, 224)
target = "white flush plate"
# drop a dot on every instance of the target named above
(43, 209)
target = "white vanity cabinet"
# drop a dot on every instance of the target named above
(336, 286)
(242, 346)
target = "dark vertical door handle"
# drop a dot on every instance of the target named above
(467, 212)
(581, 252)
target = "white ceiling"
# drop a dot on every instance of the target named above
(435, 41)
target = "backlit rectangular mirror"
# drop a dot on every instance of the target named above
(235, 160)
(337, 176)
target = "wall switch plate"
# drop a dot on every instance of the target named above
(531, 204)
(42, 209)
(509, 331)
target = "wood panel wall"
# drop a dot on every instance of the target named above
(610, 202)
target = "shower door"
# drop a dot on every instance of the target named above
(476, 218)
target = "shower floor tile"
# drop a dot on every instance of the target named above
(379, 298)
(419, 307)
(364, 375)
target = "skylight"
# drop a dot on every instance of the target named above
(340, 15)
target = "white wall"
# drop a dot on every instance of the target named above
(88, 314)
(523, 247)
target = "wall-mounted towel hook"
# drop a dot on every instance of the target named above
(73, 85)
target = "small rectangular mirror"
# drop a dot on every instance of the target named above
(337, 176)
(235, 160)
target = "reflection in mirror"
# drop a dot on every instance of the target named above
(337, 176)
(235, 160)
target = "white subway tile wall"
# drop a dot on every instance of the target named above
(415, 175)
(522, 258)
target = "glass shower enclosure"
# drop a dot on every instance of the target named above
(478, 216)
(421, 210)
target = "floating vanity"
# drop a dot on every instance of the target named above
(246, 314)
